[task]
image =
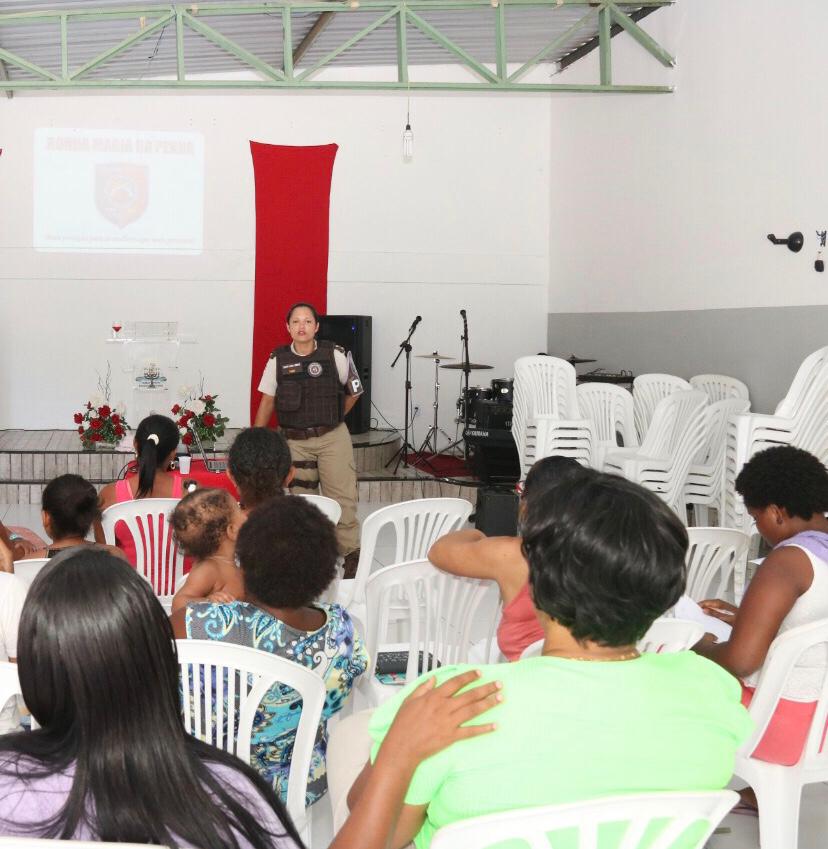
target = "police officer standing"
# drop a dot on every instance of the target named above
(313, 384)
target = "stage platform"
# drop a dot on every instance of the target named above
(29, 459)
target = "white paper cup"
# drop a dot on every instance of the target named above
(184, 464)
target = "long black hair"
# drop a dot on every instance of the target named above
(155, 439)
(99, 672)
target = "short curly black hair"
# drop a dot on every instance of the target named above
(287, 552)
(606, 557)
(787, 477)
(72, 504)
(200, 520)
(259, 461)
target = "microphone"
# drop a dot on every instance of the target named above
(416, 322)
(463, 313)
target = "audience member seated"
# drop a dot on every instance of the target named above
(785, 490)
(12, 596)
(155, 442)
(206, 525)
(287, 552)
(590, 717)
(259, 465)
(20, 541)
(122, 768)
(69, 507)
(474, 555)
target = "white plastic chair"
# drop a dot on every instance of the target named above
(705, 486)
(675, 813)
(439, 611)
(674, 437)
(215, 675)
(9, 682)
(714, 554)
(667, 635)
(27, 570)
(779, 788)
(545, 416)
(720, 387)
(800, 419)
(157, 556)
(329, 508)
(610, 409)
(648, 391)
(417, 525)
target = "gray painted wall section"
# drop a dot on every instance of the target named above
(761, 346)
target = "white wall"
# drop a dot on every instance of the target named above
(464, 225)
(663, 202)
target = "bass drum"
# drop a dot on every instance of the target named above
(502, 390)
(467, 400)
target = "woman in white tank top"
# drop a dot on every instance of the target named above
(785, 490)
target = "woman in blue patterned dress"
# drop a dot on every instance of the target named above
(287, 553)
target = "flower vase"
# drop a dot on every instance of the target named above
(104, 446)
(206, 444)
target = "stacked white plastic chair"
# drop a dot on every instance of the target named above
(706, 478)
(652, 820)
(416, 526)
(648, 391)
(674, 437)
(223, 686)
(800, 419)
(157, 556)
(713, 556)
(779, 788)
(610, 409)
(720, 387)
(439, 614)
(28, 570)
(545, 418)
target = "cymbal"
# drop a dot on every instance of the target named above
(434, 356)
(471, 366)
(574, 360)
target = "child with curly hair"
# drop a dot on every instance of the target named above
(205, 525)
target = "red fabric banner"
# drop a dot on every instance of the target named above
(293, 189)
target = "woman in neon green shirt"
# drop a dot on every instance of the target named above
(590, 717)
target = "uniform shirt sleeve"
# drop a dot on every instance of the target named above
(267, 385)
(13, 594)
(347, 371)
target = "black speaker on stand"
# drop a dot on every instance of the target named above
(353, 333)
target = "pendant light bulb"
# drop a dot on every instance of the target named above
(408, 143)
(353, 4)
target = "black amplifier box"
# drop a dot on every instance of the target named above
(492, 414)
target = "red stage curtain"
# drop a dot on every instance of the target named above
(293, 188)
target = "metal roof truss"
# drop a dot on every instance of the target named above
(300, 63)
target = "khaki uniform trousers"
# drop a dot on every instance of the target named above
(334, 455)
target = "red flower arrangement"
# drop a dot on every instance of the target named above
(100, 424)
(202, 416)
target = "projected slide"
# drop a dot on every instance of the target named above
(118, 191)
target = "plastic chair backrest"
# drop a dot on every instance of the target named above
(9, 682)
(27, 570)
(329, 508)
(713, 553)
(667, 635)
(717, 417)
(439, 612)
(668, 815)
(610, 408)
(417, 525)
(811, 379)
(720, 387)
(648, 390)
(547, 385)
(782, 656)
(157, 555)
(215, 675)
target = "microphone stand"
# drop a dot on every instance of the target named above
(464, 338)
(405, 346)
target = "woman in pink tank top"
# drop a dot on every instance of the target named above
(156, 440)
(472, 554)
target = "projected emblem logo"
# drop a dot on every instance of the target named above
(121, 191)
